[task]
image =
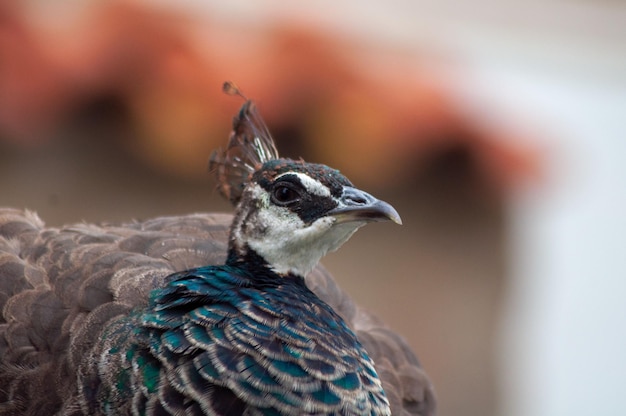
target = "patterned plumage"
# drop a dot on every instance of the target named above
(97, 321)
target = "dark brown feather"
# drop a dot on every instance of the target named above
(249, 146)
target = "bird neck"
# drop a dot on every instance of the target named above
(255, 265)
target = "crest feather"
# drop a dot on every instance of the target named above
(250, 145)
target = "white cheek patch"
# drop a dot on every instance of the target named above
(287, 243)
(291, 246)
(312, 186)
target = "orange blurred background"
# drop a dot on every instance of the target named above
(109, 111)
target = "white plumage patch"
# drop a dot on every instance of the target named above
(288, 244)
(312, 186)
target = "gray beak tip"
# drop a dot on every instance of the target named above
(389, 212)
(361, 206)
(396, 218)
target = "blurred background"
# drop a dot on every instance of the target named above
(496, 128)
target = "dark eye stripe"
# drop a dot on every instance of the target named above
(290, 178)
(309, 207)
(331, 178)
(313, 208)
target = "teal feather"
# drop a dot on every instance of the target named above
(220, 327)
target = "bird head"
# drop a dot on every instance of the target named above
(288, 212)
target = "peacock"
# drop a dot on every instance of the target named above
(203, 314)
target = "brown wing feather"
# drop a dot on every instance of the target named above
(58, 287)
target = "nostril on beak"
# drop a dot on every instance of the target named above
(357, 200)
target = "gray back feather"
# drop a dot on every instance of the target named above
(60, 286)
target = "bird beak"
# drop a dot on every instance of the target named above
(357, 205)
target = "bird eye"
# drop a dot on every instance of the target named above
(285, 195)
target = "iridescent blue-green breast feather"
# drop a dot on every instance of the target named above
(226, 339)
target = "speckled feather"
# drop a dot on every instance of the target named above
(62, 289)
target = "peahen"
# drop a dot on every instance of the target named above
(100, 319)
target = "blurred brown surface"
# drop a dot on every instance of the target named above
(118, 123)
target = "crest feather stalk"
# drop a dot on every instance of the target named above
(250, 145)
